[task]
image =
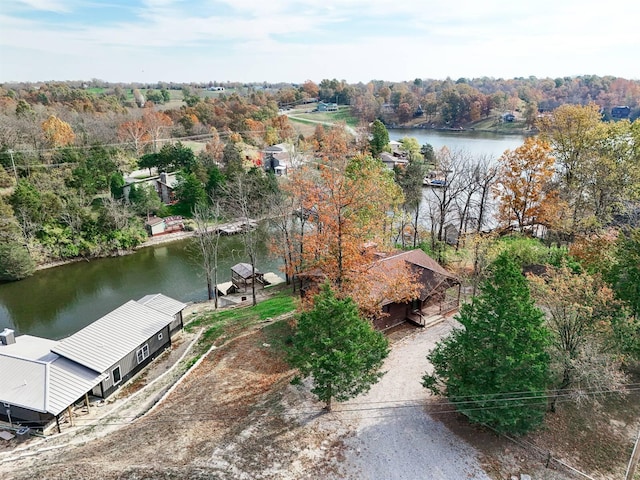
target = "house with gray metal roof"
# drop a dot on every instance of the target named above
(166, 305)
(41, 378)
(36, 385)
(120, 344)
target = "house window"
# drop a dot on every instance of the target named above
(115, 374)
(160, 336)
(142, 353)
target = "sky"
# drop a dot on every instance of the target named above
(295, 40)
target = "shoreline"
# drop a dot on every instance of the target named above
(153, 241)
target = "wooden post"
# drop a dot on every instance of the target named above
(70, 413)
(633, 463)
(86, 399)
(58, 423)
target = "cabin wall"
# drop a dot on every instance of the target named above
(393, 314)
(177, 324)
(129, 365)
(25, 417)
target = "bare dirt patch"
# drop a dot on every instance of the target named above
(595, 438)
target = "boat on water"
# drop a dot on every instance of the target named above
(435, 182)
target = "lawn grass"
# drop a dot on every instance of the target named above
(342, 115)
(231, 322)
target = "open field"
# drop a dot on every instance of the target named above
(342, 115)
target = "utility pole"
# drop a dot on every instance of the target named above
(633, 463)
(15, 173)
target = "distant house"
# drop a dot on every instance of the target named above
(620, 112)
(160, 226)
(164, 184)
(40, 379)
(392, 161)
(216, 89)
(276, 159)
(327, 107)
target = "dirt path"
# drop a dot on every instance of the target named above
(392, 436)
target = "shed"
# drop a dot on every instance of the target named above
(242, 275)
(155, 226)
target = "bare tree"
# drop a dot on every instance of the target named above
(246, 199)
(207, 219)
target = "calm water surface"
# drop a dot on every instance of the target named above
(57, 302)
(476, 143)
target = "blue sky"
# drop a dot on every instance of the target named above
(296, 40)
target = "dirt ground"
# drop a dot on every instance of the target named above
(236, 416)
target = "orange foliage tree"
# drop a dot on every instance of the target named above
(58, 133)
(345, 202)
(525, 172)
(134, 132)
(155, 124)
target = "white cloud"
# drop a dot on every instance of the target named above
(295, 40)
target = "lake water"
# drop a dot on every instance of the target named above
(476, 143)
(57, 302)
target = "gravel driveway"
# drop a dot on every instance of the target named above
(392, 436)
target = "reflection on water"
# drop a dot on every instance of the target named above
(476, 143)
(57, 302)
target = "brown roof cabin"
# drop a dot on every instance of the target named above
(243, 275)
(439, 292)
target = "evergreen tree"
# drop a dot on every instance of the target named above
(338, 348)
(624, 274)
(379, 138)
(496, 369)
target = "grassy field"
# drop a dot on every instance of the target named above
(230, 322)
(342, 115)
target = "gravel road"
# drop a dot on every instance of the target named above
(392, 436)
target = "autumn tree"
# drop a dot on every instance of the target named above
(58, 133)
(156, 123)
(499, 356)
(214, 149)
(338, 348)
(525, 200)
(580, 313)
(135, 133)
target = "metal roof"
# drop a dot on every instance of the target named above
(44, 386)
(244, 270)
(23, 382)
(68, 381)
(162, 303)
(110, 338)
(30, 348)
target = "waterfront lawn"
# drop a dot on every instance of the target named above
(221, 325)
